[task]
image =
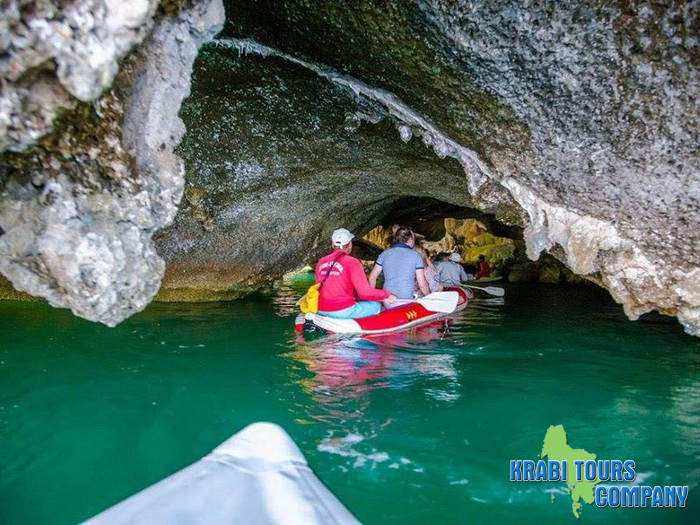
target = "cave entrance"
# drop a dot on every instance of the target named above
(443, 227)
(277, 157)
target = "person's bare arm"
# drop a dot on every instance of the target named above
(373, 275)
(422, 282)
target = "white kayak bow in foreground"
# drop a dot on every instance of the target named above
(256, 476)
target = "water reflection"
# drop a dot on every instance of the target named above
(344, 370)
(289, 290)
(341, 376)
(352, 387)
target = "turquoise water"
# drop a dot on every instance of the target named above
(403, 429)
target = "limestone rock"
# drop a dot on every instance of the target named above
(575, 120)
(78, 210)
(583, 113)
(273, 168)
(54, 54)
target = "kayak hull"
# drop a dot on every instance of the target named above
(393, 320)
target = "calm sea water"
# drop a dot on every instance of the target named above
(407, 428)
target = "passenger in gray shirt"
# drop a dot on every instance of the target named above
(451, 272)
(403, 268)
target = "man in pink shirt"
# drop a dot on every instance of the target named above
(343, 279)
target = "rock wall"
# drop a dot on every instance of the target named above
(583, 113)
(55, 56)
(80, 205)
(277, 157)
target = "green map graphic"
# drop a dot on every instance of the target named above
(555, 448)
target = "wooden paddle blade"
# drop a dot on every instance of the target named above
(443, 302)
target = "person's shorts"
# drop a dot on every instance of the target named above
(357, 311)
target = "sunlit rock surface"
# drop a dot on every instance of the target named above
(79, 208)
(468, 237)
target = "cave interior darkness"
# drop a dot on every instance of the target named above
(426, 217)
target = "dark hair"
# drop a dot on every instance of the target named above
(482, 257)
(402, 235)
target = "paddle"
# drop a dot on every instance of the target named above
(493, 290)
(443, 302)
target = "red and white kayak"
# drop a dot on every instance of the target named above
(393, 320)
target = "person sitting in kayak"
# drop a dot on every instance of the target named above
(440, 258)
(343, 277)
(483, 269)
(452, 273)
(431, 273)
(403, 268)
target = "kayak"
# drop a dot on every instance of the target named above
(256, 476)
(393, 320)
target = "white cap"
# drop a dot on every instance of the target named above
(455, 257)
(341, 237)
